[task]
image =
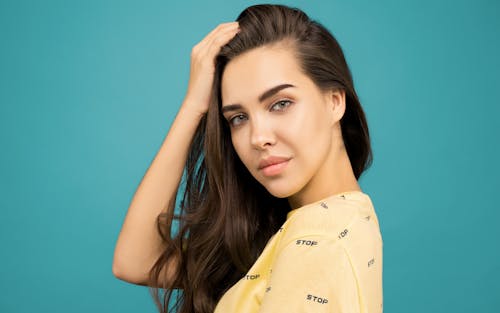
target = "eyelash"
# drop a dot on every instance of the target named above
(230, 121)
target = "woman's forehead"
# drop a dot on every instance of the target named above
(250, 74)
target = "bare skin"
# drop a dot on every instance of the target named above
(300, 123)
(139, 245)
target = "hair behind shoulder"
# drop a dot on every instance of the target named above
(226, 216)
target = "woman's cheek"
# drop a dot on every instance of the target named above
(241, 150)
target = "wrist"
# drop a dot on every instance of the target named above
(191, 109)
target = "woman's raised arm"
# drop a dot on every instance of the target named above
(139, 245)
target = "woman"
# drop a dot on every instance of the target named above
(273, 139)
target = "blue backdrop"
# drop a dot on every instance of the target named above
(88, 90)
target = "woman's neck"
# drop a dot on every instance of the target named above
(334, 177)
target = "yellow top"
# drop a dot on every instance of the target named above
(327, 257)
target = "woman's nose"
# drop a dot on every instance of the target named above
(261, 134)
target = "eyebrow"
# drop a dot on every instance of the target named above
(268, 93)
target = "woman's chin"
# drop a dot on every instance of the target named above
(280, 191)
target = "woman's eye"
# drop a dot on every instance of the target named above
(235, 118)
(280, 105)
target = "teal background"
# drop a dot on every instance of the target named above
(88, 90)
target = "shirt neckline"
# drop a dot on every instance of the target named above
(337, 195)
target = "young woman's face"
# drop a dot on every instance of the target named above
(274, 110)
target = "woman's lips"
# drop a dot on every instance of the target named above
(274, 169)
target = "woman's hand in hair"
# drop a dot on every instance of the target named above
(203, 65)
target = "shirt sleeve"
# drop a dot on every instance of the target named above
(312, 274)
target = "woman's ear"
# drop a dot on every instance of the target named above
(335, 100)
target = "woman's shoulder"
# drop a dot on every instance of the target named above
(330, 217)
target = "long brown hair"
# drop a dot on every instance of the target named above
(226, 217)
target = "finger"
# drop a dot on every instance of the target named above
(208, 40)
(221, 28)
(220, 41)
(211, 51)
